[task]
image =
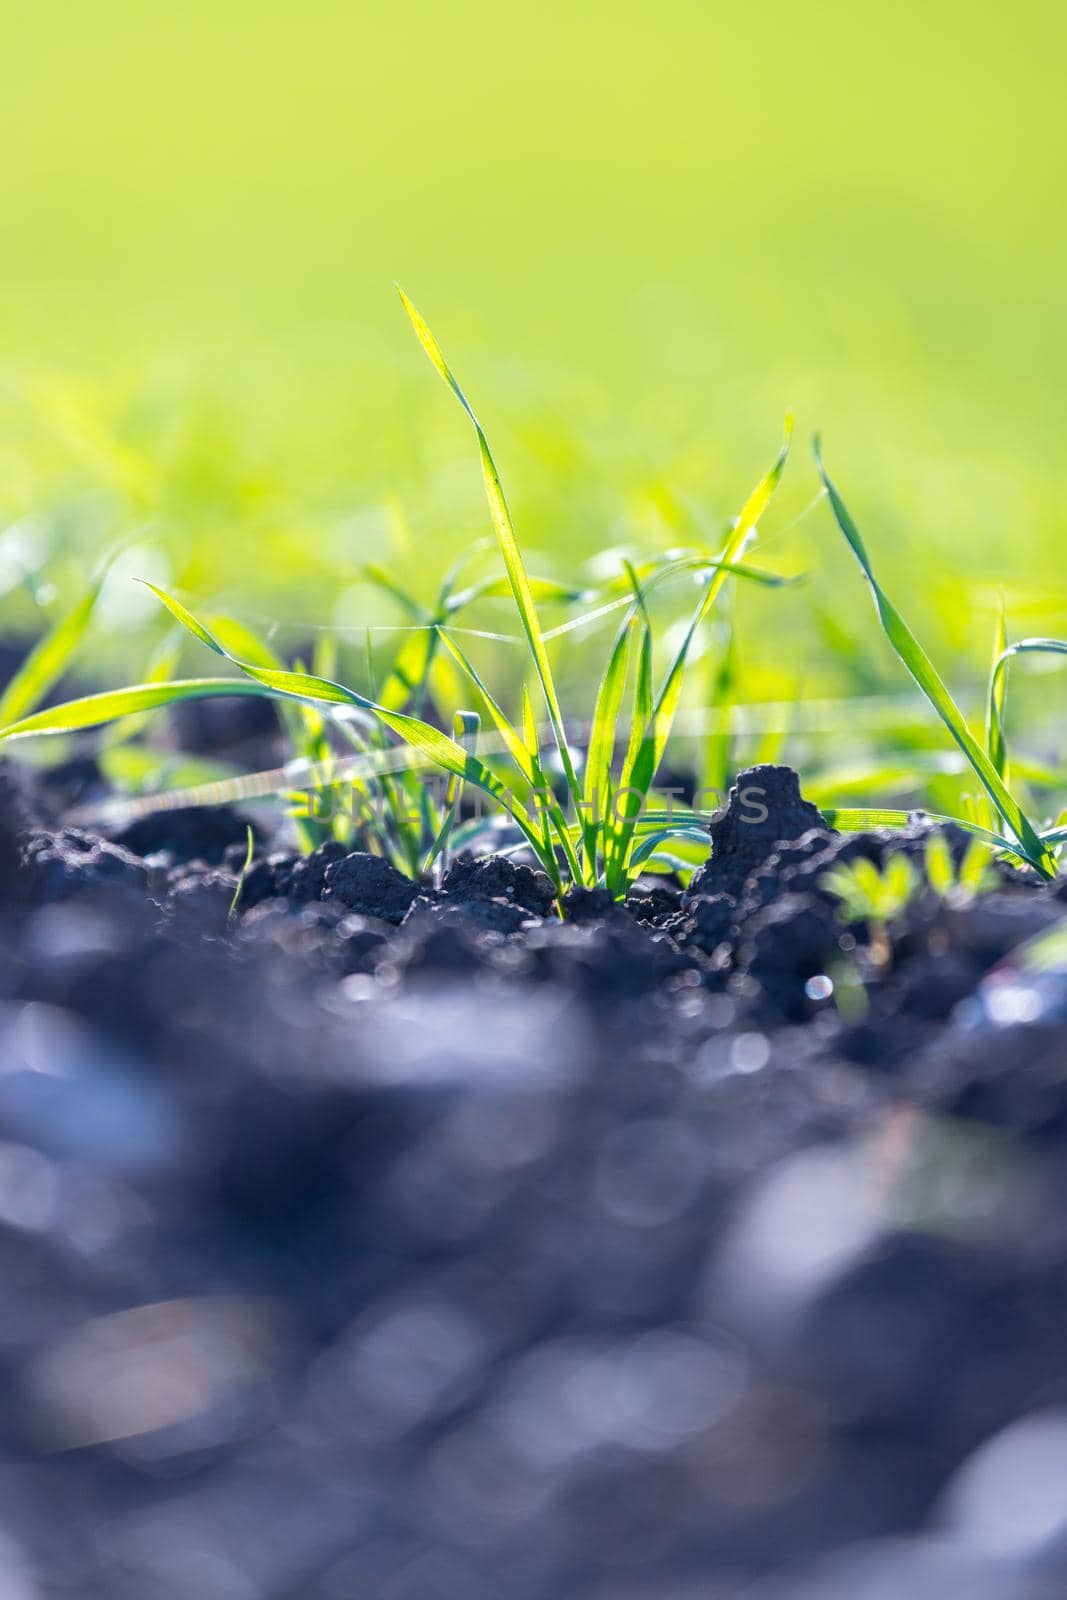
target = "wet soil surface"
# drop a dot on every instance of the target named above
(405, 1241)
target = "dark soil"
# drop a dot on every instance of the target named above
(405, 1242)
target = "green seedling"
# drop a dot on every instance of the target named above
(612, 831)
(242, 875)
(868, 894)
(973, 876)
(1012, 830)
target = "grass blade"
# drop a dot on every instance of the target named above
(429, 742)
(529, 728)
(651, 842)
(524, 752)
(186, 618)
(236, 901)
(722, 685)
(855, 819)
(304, 723)
(743, 531)
(926, 676)
(48, 659)
(641, 742)
(438, 749)
(516, 747)
(405, 681)
(466, 726)
(546, 590)
(162, 664)
(93, 709)
(635, 778)
(514, 565)
(998, 685)
(384, 581)
(601, 750)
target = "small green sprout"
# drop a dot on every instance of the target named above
(50, 656)
(242, 875)
(877, 896)
(973, 876)
(867, 894)
(989, 761)
(612, 832)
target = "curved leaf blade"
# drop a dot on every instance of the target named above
(514, 565)
(90, 710)
(743, 531)
(922, 669)
(48, 659)
(855, 819)
(998, 684)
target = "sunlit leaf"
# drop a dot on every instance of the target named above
(923, 671)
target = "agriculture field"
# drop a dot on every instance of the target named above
(533, 801)
(640, 237)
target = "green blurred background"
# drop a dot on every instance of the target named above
(640, 232)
